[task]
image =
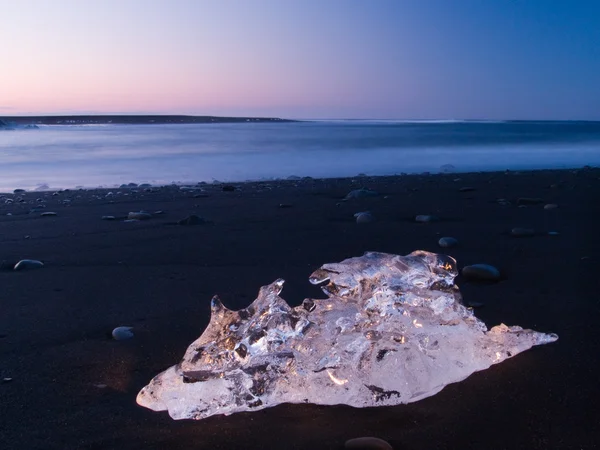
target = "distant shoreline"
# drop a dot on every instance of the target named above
(132, 119)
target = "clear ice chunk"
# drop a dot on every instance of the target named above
(392, 330)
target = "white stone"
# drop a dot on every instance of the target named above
(392, 330)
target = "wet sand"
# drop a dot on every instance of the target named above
(73, 387)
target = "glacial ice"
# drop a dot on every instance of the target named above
(392, 330)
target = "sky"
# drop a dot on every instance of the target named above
(377, 59)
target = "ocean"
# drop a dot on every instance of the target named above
(69, 156)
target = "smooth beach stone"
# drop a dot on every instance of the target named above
(364, 217)
(466, 189)
(550, 206)
(361, 193)
(108, 218)
(483, 272)
(367, 443)
(285, 205)
(553, 233)
(18, 191)
(447, 242)
(26, 264)
(122, 333)
(228, 188)
(529, 201)
(192, 220)
(424, 218)
(139, 215)
(522, 232)
(48, 214)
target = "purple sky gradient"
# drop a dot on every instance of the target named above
(400, 59)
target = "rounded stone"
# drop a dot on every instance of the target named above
(367, 443)
(48, 214)
(522, 232)
(423, 218)
(483, 272)
(363, 217)
(550, 206)
(139, 215)
(122, 333)
(26, 264)
(447, 242)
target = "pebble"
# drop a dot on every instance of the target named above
(108, 217)
(201, 195)
(553, 233)
(285, 205)
(26, 264)
(228, 188)
(522, 232)
(139, 215)
(475, 304)
(361, 193)
(367, 443)
(48, 214)
(192, 220)
(7, 379)
(364, 217)
(483, 272)
(425, 218)
(18, 191)
(447, 242)
(529, 201)
(122, 333)
(550, 206)
(466, 189)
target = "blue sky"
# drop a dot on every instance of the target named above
(401, 59)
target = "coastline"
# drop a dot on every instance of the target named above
(74, 387)
(132, 119)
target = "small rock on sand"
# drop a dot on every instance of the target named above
(360, 193)
(48, 214)
(466, 189)
(364, 217)
(529, 201)
(367, 443)
(423, 218)
(550, 206)
(228, 188)
(26, 264)
(192, 220)
(447, 242)
(483, 272)
(139, 215)
(122, 333)
(522, 232)
(108, 217)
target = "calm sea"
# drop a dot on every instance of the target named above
(94, 155)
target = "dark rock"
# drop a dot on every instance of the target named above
(482, 272)
(367, 443)
(447, 242)
(522, 232)
(192, 220)
(529, 201)
(228, 188)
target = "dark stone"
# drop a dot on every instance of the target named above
(192, 220)
(228, 188)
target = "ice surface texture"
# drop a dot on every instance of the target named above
(392, 330)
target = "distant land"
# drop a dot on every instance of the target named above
(129, 119)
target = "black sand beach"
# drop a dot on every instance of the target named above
(68, 385)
